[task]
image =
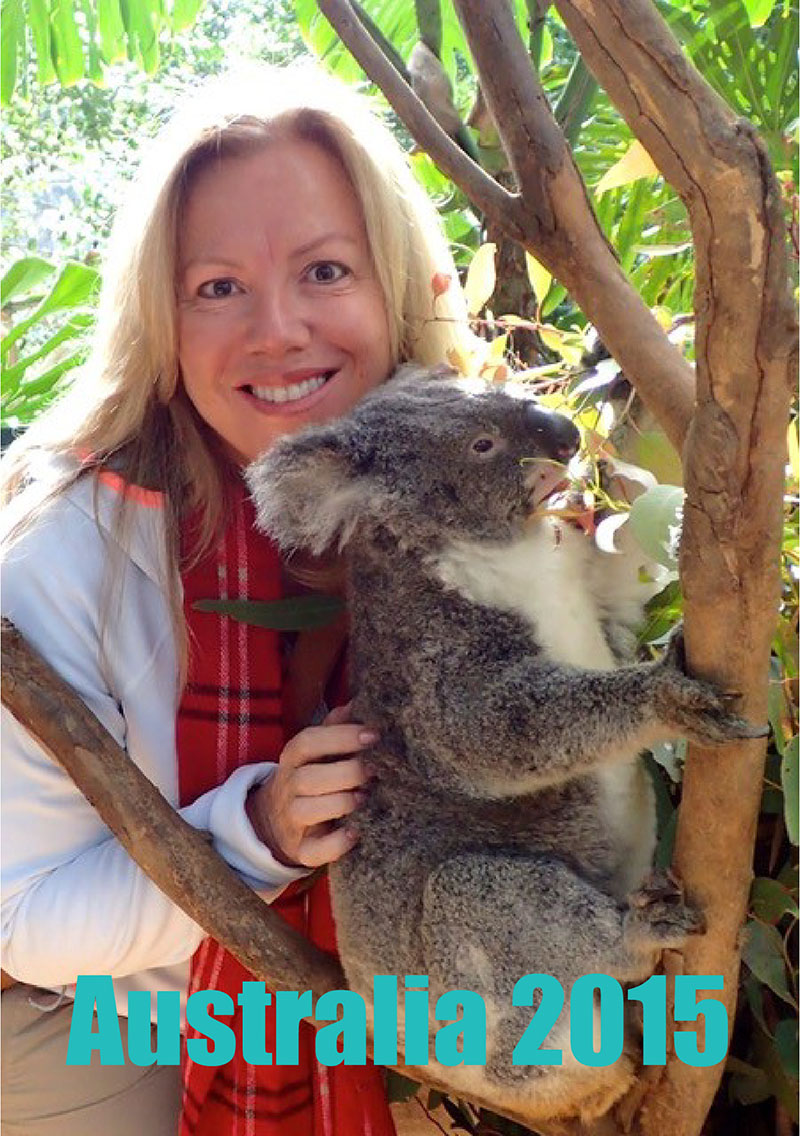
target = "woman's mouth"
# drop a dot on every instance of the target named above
(289, 394)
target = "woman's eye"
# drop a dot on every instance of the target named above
(327, 272)
(217, 289)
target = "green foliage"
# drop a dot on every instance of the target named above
(69, 41)
(301, 613)
(67, 153)
(61, 143)
(43, 345)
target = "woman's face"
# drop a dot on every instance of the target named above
(281, 320)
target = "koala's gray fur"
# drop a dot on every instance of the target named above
(510, 818)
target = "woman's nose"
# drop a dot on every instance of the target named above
(277, 322)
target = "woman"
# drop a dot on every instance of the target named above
(274, 263)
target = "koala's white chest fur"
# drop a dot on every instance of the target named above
(549, 578)
(557, 580)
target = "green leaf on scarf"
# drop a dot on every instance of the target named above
(301, 613)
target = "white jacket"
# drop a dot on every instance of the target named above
(73, 902)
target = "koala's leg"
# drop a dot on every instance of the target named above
(490, 919)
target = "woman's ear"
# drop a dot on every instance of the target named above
(307, 492)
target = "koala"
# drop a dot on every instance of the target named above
(509, 827)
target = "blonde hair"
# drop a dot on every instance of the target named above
(127, 408)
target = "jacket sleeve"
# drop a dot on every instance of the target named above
(73, 902)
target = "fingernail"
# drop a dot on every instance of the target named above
(368, 737)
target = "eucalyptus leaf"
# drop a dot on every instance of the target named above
(764, 955)
(749, 1084)
(770, 900)
(400, 1088)
(655, 519)
(786, 1042)
(301, 613)
(790, 780)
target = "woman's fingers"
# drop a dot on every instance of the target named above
(298, 812)
(308, 811)
(330, 777)
(317, 850)
(315, 742)
(339, 714)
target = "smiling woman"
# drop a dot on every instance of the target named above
(281, 318)
(273, 263)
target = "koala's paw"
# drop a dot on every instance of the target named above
(696, 709)
(657, 915)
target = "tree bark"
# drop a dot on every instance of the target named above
(746, 360)
(176, 857)
(551, 216)
(734, 462)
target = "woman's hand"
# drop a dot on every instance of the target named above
(295, 812)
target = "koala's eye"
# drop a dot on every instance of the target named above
(483, 446)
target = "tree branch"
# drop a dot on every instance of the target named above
(451, 159)
(553, 219)
(734, 458)
(178, 858)
(746, 360)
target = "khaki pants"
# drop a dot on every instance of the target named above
(43, 1096)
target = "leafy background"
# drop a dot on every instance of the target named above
(85, 82)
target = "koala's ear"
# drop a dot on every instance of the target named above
(306, 491)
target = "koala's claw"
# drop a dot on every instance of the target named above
(657, 914)
(697, 709)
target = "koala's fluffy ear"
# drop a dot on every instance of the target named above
(306, 491)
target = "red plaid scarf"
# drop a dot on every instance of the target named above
(232, 712)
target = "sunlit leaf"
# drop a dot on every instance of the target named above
(112, 30)
(12, 46)
(794, 451)
(653, 450)
(635, 163)
(758, 11)
(562, 342)
(539, 277)
(75, 285)
(460, 360)
(481, 279)
(656, 520)
(24, 275)
(184, 13)
(497, 349)
(67, 46)
(39, 19)
(656, 250)
(74, 328)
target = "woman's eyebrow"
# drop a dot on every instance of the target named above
(334, 235)
(208, 258)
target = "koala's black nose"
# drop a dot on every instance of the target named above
(555, 435)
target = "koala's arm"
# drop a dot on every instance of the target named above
(499, 721)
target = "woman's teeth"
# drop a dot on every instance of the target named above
(291, 393)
